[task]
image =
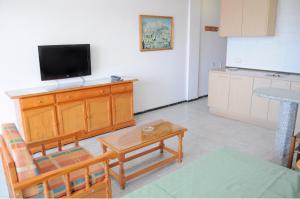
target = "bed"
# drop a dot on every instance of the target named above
(228, 174)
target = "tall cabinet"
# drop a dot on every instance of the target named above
(248, 18)
(93, 109)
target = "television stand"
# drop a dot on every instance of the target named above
(92, 107)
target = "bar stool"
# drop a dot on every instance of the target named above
(294, 148)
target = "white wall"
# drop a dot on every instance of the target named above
(193, 55)
(278, 53)
(212, 46)
(111, 27)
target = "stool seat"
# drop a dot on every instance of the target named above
(294, 148)
(298, 164)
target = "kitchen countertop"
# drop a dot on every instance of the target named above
(279, 94)
(259, 74)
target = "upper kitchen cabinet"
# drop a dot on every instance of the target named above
(248, 18)
(231, 18)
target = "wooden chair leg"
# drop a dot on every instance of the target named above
(161, 145)
(291, 154)
(108, 181)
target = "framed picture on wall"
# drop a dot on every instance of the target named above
(156, 33)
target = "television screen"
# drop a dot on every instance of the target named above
(64, 61)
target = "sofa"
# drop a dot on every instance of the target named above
(71, 171)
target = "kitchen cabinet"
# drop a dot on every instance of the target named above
(218, 90)
(248, 18)
(232, 95)
(240, 95)
(260, 105)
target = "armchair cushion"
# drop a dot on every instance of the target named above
(65, 158)
(23, 160)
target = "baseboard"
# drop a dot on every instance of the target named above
(161, 107)
(191, 100)
(173, 104)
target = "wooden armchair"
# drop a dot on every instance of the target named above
(71, 172)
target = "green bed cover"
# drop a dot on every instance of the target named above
(228, 174)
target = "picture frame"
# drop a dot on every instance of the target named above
(156, 33)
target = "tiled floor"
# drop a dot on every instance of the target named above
(206, 133)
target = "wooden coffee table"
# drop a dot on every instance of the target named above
(137, 138)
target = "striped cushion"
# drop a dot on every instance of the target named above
(25, 166)
(65, 158)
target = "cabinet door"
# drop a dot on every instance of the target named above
(240, 95)
(256, 17)
(72, 117)
(231, 18)
(260, 105)
(273, 114)
(218, 91)
(98, 113)
(40, 123)
(296, 87)
(122, 107)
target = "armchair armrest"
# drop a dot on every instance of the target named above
(297, 135)
(64, 172)
(56, 141)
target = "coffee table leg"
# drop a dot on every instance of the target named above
(161, 145)
(104, 148)
(122, 182)
(180, 153)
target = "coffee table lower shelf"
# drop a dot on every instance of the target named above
(145, 170)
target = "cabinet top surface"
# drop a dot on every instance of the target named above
(21, 93)
(258, 74)
(141, 135)
(279, 94)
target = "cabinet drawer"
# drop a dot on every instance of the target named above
(121, 88)
(33, 102)
(82, 94)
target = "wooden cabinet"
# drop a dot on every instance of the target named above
(40, 123)
(231, 18)
(243, 104)
(260, 105)
(71, 117)
(248, 17)
(122, 104)
(240, 95)
(274, 105)
(98, 113)
(122, 108)
(218, 93)
(93, 109)
(259, 17)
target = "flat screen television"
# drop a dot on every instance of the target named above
(64, 61)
